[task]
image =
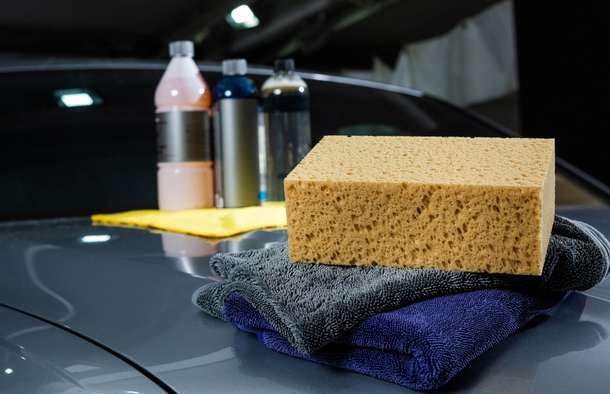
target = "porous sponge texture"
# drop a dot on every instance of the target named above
(469, 204)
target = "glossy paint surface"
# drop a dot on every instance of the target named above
(131, 291)
(37, 357)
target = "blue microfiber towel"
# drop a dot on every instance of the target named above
(311, 305)
(421, 346)
(414, 327)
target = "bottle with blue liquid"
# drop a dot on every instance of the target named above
(236, 137)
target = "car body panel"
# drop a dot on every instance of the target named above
(131, 289)
(38, 357)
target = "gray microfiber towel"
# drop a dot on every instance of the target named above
(311, 305)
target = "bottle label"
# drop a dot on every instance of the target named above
(287, 138)
(236, 152)
(183, 136)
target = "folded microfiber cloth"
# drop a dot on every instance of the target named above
(210, 222)
(314, 305)
(421, 346)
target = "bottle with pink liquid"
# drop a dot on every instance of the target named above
(185, 176)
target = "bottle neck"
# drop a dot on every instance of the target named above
(284, 73)
(284, 80)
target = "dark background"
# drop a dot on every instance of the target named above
(562, 52)
(323, 35)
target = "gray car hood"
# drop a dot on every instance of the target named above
(130, 291)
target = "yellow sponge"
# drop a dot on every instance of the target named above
(470, 204)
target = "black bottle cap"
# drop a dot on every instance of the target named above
(283, 65)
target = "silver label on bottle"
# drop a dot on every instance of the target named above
(236, 151)
(183, 136)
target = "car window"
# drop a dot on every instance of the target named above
(105, 154)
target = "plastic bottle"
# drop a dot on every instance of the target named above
(287, 125)
(235, 137)
(185, 176)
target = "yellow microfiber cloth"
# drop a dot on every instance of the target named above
(210, 222)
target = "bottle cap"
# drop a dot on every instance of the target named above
(234, 67)
(283, 65)
(181, 48)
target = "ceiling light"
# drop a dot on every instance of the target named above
(95, 238)
(76, 100)
(8, 371)
(242, 17)
(71, 98)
